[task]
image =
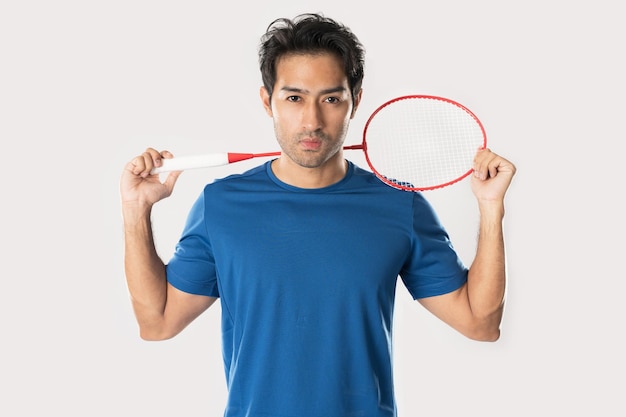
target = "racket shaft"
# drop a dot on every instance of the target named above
(182, 163)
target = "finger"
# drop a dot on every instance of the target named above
(154, 156)
(495, 166)
(138, 165)
(482, 161)
(172, 176)
(148, 160)
(498, 165)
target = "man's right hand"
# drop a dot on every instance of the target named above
(138, 187)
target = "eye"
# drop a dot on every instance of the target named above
(332, 100)
(293, 99)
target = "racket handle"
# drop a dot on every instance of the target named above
(182, 163)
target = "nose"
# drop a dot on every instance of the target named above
(312, 118)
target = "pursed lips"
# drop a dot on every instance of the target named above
(310, 143)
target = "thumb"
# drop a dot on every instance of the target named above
(170, 180)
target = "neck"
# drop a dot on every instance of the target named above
(331, 172)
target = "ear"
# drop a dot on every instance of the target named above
(357, 101)
(266, 100)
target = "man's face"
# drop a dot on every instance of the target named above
(311, 107)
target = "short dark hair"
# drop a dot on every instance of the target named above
(311, 34)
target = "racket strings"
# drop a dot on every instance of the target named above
(422, 142)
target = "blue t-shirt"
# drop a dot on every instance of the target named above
(307, 280)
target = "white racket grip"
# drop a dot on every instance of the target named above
(182, 163)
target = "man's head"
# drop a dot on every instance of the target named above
(311, 34)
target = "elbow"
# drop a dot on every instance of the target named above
(484, 335)
(151, 337)
(154, 334)
(486, 329)
(155, 326)
(494, 336)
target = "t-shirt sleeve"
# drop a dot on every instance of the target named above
(192, 266)
(433, 266)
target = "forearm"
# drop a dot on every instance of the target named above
(487, 275)
(145, 271)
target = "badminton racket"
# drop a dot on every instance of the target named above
(414, 143)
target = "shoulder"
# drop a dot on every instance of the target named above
(254, 178)
(367, 180)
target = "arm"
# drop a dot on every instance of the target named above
(161, 310)
(476, 308)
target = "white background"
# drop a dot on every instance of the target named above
(87, 85)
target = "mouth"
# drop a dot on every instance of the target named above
(311, 144)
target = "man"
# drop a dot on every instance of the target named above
(304, 251)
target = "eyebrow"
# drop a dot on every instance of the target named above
(338, 89)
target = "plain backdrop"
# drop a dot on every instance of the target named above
(87, 85)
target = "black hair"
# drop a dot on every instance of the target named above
(311, 34)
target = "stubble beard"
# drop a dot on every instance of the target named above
(310, 158)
